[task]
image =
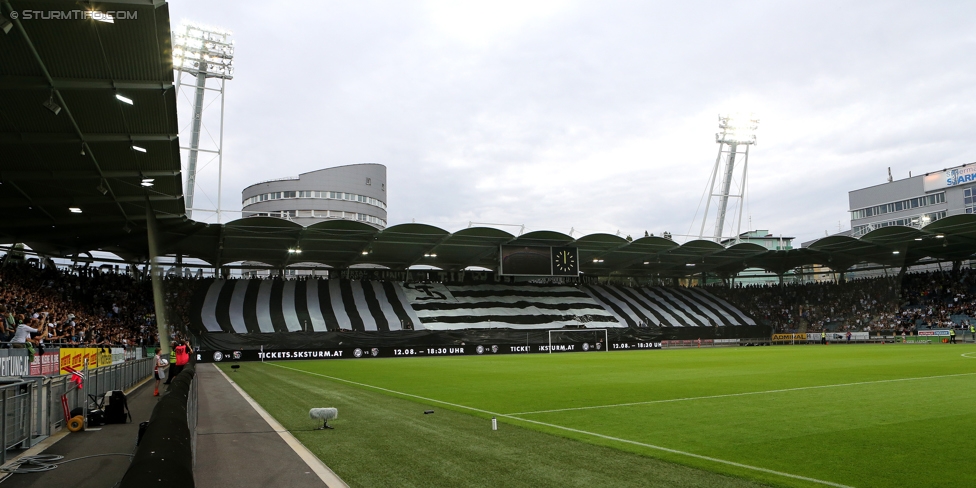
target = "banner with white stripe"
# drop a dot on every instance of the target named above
(667, 307)
(442, 307)
(264, 306)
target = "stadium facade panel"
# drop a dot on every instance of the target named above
(352, 192)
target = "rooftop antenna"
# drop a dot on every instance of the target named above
(890, 179)
(206, 53)
(738, 132)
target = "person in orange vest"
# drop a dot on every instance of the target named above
(183, 351)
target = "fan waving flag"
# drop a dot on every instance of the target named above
(77, 377)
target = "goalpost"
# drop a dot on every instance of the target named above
(587, 343)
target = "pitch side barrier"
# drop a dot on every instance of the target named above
(357, 345)
(166, 450)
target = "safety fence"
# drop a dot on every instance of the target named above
(32, 407)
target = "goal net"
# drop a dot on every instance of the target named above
(570, 340)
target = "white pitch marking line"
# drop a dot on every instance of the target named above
(569, 429)
(728, 395)
(967, 355)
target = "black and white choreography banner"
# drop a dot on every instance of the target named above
(667, 307)
(251, 306)
(444, 307)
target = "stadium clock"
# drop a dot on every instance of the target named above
(564, 261)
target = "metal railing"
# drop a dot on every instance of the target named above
(31, 408)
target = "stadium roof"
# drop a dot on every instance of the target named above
(82, 157)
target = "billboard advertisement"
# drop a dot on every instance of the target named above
(46, 364)
(75, 358)
(949, 178)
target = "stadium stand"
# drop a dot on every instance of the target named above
(939, 299)
(85, 307)
(252, 306)
(524, 306)
(667, 307)
(267, 306)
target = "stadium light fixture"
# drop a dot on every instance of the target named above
(148, 182)
(737, 128)
(102, 188)
(199, 48)
(5, 24)
(51, 105)
(895, 252)
(138, 148)
(74, 209)
(939, 236)
(918, 238)
(597, 260)
(294, 250)
(123, 98)
(690, 265)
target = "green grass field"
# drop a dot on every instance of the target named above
(859, 415)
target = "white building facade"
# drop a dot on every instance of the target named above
(352, 192)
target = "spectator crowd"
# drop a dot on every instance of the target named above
(895, 303)
(81, 307)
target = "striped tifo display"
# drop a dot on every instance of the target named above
(442, 307)
(667, 307)
(254, 306)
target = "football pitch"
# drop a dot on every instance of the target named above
(837, 415)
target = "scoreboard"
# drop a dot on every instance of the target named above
(538, 261)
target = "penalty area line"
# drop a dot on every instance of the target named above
(577, 431)
(747, 393)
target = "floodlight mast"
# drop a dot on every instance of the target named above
(203, 52)
(738, 133)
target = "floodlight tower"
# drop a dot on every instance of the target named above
(206, 53)
(738, 132)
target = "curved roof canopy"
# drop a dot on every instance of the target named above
(82, 157)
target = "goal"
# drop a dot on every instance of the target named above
(567, 340)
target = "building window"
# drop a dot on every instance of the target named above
(911, 203)
(335, 195)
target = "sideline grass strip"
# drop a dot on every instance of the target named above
(381, 440)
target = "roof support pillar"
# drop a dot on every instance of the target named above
(156, 275)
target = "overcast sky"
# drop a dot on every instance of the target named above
(595, 116)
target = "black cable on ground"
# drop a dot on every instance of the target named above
(47, 462)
